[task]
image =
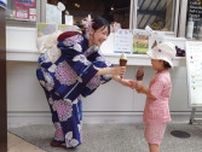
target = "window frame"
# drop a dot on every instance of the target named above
(182, 18)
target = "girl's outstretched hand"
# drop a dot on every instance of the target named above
(127, 82)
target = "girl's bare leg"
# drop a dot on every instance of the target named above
(154, 148)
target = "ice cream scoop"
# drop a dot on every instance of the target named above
(123, 60)
(140, 74)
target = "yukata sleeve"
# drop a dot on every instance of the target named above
(100, 62)
(72, 52)
(97, 80)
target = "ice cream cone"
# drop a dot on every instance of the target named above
(139, 74)
(123, 60)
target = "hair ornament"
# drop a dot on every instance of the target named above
(87, 22)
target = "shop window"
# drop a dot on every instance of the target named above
(113, 10)
(160, 15)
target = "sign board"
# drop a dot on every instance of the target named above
(123, 40)
(195, 10)
(140, 41)
(25, 10)
(194, 72)
(53, 14)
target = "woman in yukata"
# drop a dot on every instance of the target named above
(72, 68)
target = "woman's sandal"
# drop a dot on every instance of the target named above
(55, 143)
(61, 144)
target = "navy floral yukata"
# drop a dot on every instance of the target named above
(71, 76)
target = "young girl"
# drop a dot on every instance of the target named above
(156, 111)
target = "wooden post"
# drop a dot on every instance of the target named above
(3, 103)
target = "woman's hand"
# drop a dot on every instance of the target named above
(114, 71)
(118, 70)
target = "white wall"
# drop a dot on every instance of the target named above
(111, 102)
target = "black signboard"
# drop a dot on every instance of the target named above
(195, 10)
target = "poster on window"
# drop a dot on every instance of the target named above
(25, 10)
(123, 40)
(3, 3)
(140, 41)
